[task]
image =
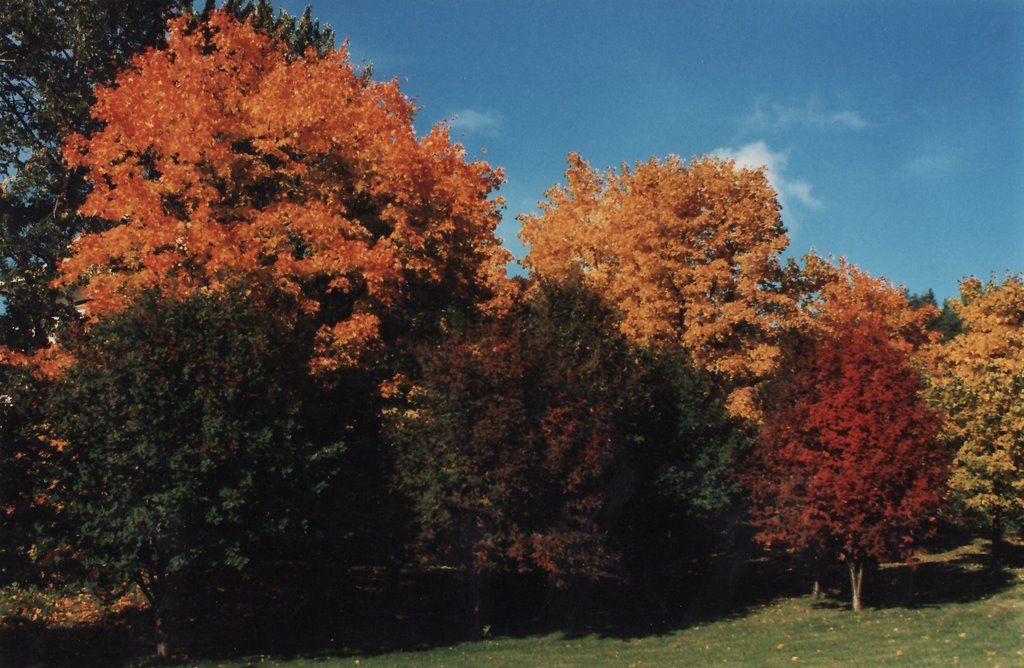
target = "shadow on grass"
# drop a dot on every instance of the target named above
(24, 643)
(963, 576)
(417, 610)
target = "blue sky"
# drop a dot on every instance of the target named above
(894, 131)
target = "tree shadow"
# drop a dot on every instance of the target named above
(375, 612)
(117, 641)
(968, 574)
(963, 572)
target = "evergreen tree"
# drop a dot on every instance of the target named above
(52, 55)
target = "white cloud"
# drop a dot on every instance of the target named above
(758, 155)
(472, 121)
(801, 190)
(849, 119)
(929, 165)
(811, 113)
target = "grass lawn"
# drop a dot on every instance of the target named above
(945, 623)
(987, 632)
(953, 609)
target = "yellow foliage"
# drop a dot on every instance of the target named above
(687, 253)
(978, 379)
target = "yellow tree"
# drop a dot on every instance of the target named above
(688, 253)
(979, 381)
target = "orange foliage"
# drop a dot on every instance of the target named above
(689, 254)
(43, 363)
(844, 296)
(59, 608)
(224, 155)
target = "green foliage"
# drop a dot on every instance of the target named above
(180, 441)
(23, 468)
(691, 418)
(545, 440)
(299, 33)
(51, 57)
(947, 322)
(685, 444)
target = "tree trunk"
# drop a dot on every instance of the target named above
(161, 636)
(856, 581)
(153, 589)
(997, 539)
(817, 566)
(477, 595)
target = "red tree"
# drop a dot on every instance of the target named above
(850, 462)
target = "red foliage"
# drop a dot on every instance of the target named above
(500, 468)
(850, 461)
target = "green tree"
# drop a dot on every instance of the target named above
(685, 502)
(181, 446)
(299, 33)
(946, 322)
(52, 55)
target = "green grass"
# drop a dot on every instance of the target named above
(945, 624)
(958, 611)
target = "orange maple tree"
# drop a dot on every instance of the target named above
(840, 294)
(688, 253)
(225, 154)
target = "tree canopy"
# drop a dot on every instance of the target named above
(297, 337)
(688, 253)
(181, 445)
(978, 381)
(850, 462)
(222, 155)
